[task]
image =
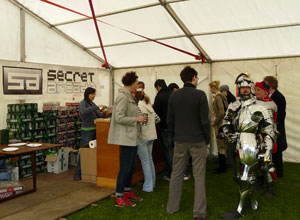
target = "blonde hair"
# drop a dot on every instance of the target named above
(215, 84)
(147, 99)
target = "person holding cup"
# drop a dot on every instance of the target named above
(123, 131)
(145, 143)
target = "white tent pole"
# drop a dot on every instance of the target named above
(107, 14)
(184, 28)
(55, 29)
(112, 86)
(138, 41)
(210, 106)
(117, 12)
(158, 65)
(22, 36)
(257, 58)
(248, 29)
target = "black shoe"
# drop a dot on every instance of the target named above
(267, 195)
(222, 164)
(231, 215)
(270, 190)
(260, 182)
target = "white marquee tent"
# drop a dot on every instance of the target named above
(261, 37)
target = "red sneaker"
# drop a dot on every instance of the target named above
(123, 202)
(130, 195)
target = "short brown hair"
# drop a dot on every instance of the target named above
(142, 83)
(129, 78)
(271, 81)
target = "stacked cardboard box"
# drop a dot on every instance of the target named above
(41, 163)
(24, 164)
(69, 125)
(10, 188)
(54, 125)
(63, 125)
(77, 124)
(37, 135)
(50, 126)
(73, 157)
(9, 169)
(23, 122)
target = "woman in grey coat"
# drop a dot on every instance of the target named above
(123, 131)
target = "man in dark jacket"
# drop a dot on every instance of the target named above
(188, 116)
(279, 99)
(225, 90)
(160, 107)
(230, 147)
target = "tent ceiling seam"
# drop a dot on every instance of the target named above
(108, 14)
(116, 12)
(248, 29)
(138, 41)
(202, 34)
(61, 33)
(158, 65)
(257, 58)
(183, 27)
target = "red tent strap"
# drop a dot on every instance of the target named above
(105, 65)
(199, 56)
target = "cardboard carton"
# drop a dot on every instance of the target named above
(59, 162)
(15, 174)
(73, 157)
(88, 159)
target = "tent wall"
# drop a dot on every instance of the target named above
(10, 31)
(170, 74)
(42, 44)
(101, 79)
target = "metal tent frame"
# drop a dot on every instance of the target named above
(167, 5)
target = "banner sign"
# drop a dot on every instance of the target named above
(22, 81)
(59, 81)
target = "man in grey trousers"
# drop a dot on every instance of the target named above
(188, 119)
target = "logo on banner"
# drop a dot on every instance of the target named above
(70, 82)
(22, 81)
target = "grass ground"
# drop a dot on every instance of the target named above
(222, 196)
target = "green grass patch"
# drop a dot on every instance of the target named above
(222, 196)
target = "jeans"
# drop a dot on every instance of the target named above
(86, 137)
(167, 142)
(127, 166)
(145, 153)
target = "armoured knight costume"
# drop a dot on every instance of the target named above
(248, 123)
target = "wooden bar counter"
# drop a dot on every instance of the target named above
(108, 158)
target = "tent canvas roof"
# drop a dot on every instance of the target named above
(222, 30)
